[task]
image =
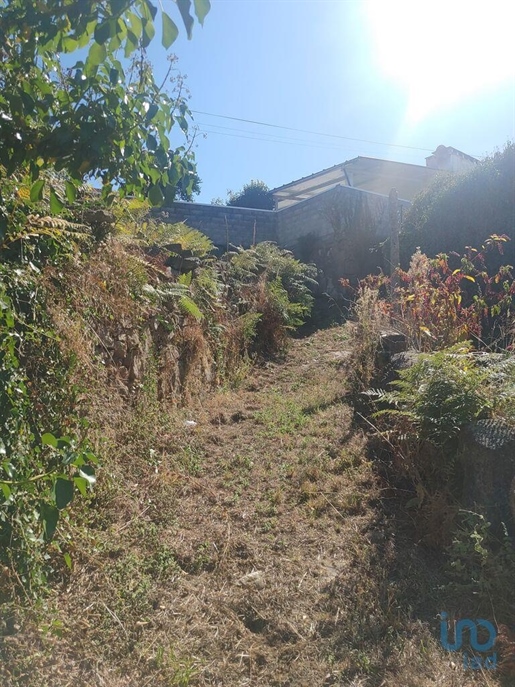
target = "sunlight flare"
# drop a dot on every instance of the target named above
(442, 52)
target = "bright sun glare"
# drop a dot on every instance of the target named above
(443, 51)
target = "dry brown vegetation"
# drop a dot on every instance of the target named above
(258, 546)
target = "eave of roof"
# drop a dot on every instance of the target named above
(310, 176)
(342, 166)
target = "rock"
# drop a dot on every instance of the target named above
(119, 351)
(389, 365)
(101, 222)
(393, 342)
(173, 247)
(256, 578)
(487, 453)
(182, 264)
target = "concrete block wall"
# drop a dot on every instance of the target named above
(225, 224)
(303, 218)
(311, 216)
(337, 253)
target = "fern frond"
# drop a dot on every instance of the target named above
(189, 307)
(189, 239)
(58, 223)
(185, 278)
(166, 291)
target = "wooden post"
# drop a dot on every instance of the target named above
(393, 202)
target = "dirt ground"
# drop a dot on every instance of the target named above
(253, 543)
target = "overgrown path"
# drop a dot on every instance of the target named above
(255, 545)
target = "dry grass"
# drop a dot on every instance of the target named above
(255, 547)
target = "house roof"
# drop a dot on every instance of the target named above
(368, 173)
(340, 166)
(450, 149)
(309, 177)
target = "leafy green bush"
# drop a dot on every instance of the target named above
(481, 567)
(95, 117)
(459, 210)
(422, 416)
(44, 460)
(297, 278)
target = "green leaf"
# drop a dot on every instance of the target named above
(202, 7)
(28, 102)
(136, 24)
(8, 467)
(114, 75)
(36, 190)
(185, 279)
(71, 191)
(170, 31)
(102, 32)
(97, 54)
(152, 111)
(49, 440)
(82, 485)
(56, 205)
(155, 195)
(184, 9)
(148, 33)
(131, 43)
(70, 44)
(63, 492)
(68, 560)
(151, 142)
(5, 489)
(50, 516)
(91, 457)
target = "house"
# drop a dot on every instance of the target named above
(375, 175)
(448, 159)
(334, 217)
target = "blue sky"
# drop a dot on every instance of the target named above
(411, 73)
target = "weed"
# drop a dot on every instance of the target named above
(192, 459)
(371, 318)
(481, 566)
(282, 416)
(180, 670)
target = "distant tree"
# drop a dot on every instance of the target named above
(255, 194)
(192, 187)
(462, 210)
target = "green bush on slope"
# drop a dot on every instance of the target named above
(459, 210)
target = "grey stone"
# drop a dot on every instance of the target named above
(393, 342)
(487, 453)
